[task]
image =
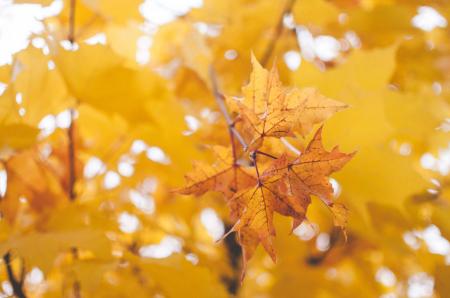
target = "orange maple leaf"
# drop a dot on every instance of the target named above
(225, 175)
(268, 109)
(286, 187)
(308, 175)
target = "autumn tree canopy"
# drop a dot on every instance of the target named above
(224, 148)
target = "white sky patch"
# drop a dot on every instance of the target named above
(353, 39)
(435, 242)
(432, 237)
(428, 18)
(63, 119)
(157, 155)
(437, 88)
(193, 258)
(167, 246)
(22, 112)
(3, 182)
(99, 38)
(292, 59)
(405, 149)
(125, 168)
(111, 180)
(145, 203)
(420, 285)
(212, 223)
(440, 164)
(18, 22)
(209, 115)
(47, 125)
(7, 288)
(51, 65)
(69, 46)
(306, 231)
(445, 125)
(128, 223)
(138, 146)
(327, 47)
(19, 98)
(230, 54)
(38, 42)
(386, 277)
(306, 42)
(45, 151)
(337, 189)
(323, 242)
(211, 30)
(93, 167)
(412, 240)
(324, 47)
(160, 12)
(143, 49)
(149, 185)
(288, 21)
(192, 123)
(35, 276)
(2, 87)
(389, 295)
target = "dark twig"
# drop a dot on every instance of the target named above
(70, 131)
(16, 284)
(234, 251)
(254, 157)
(71, 149)
(278, 30)
(71, 36)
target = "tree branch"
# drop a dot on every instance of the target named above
(70, 131)
(71, 152)
(223, 109)
(278, 30)
(17, 285)
(71, 35)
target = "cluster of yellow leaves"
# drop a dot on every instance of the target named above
(270, 110)
(137, 124)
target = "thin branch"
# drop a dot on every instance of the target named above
(234, 252)
(70, 131)
(290, 146)
(71, 149)
(254, 157)
(17, 285)
(71, 36)
(223, 109)
(278, 30)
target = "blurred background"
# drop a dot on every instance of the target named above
(133, 77)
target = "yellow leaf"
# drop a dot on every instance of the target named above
(95, 75)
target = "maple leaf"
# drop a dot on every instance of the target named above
(309, 174)
(225, 176)
(269, 109)
(286, 187)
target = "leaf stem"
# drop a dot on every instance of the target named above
(266, 154)
(17, 285)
